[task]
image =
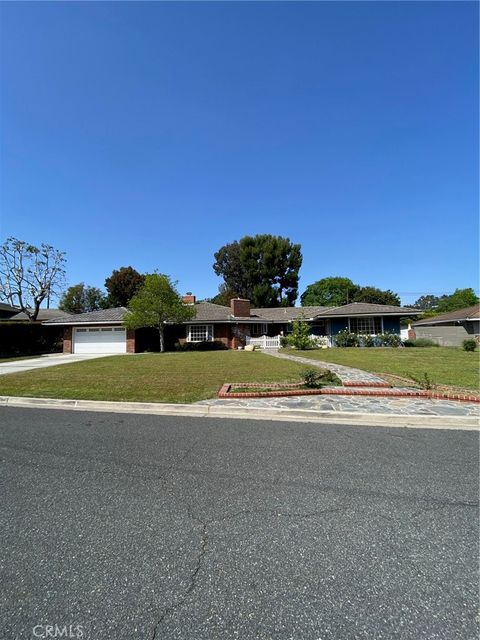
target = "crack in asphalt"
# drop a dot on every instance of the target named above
(353, 492)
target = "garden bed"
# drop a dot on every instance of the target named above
(254, 390)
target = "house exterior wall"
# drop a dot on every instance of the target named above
(221, 333)
(391, 325)
(337, 325)
(67, 339)
(444, 335)
(130, 340)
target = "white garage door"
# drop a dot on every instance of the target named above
(101, 340)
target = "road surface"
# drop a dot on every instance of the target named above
(120, 526)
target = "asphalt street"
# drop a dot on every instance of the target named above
(121, 526)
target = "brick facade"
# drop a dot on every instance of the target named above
(67, 340)
(240, 308)
(130, 340)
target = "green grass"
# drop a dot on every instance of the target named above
(168, 377)
(444, 365)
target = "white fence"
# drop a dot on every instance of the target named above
(273, 342)
(265, 342)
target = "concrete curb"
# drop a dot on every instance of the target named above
(468, 423)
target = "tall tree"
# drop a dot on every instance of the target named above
(376, 296)
(155, 304)
(30, 274)
(80, 299)
(262, 268)
(427, 302)
(122, 285)
(459, 299)
(329, 292)
(224, 296)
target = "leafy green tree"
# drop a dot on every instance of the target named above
(459, 299)
(427, 302)
(329, 292)
(300, 336)
(30, 274)
(223, 296)
(80, 299)
(262, 268)
(155, 304)
(373, 295)
(122, 285)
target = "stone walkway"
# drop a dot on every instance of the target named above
(347, 375)
(351, 403)
(356, 404)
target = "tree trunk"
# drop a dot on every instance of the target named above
(161, 336)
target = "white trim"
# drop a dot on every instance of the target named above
(209, 332)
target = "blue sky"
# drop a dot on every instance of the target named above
(150, 134)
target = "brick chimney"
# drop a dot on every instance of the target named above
(240, 308)
(189, 298)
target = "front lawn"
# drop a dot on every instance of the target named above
(168, 377)
(444, 365)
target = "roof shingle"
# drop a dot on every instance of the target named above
(469, 313)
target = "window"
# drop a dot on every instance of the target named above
(369, 326)
(81, 331)
(108, 329)
(258, 330)
(200, 333)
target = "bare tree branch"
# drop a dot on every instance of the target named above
(29, 274)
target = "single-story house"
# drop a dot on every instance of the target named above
(7, 311)
(236, 325)
(43, 314)
(452, 328)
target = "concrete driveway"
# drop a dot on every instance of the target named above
(50, 360)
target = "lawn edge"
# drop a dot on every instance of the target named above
(463, 423)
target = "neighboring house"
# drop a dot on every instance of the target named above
(236, 325)
(7, 311)
(43, 314)
(452, 328)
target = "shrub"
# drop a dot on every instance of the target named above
(314, 378)
(216, 345)
(469, 345)
(310, 378)
(368, 341)
(389, 340)
(284, 342)
(420, 342)
(346, 339)
(29, 338)
(424, 381)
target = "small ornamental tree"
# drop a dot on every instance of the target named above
(300, 337)
(156, 304)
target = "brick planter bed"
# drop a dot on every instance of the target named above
(285, 390)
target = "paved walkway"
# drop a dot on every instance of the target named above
(350, 403)
(51, 360)
(355, 404)
(346, 374)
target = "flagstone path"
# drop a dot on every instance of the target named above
(348, 375)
